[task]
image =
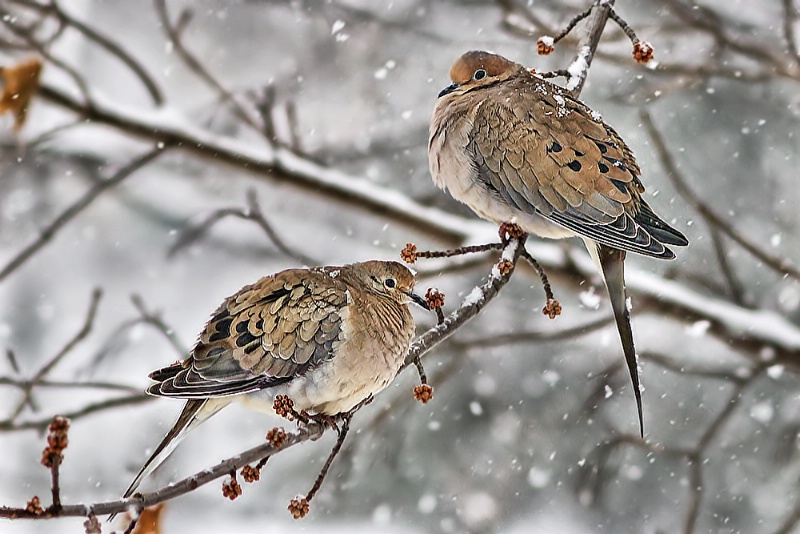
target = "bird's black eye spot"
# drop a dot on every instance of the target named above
(391, 283)
(479, 74)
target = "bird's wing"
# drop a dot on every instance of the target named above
(264, 335)
(543, 151)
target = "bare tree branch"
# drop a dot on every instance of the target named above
(778, 264)
(58, 357)
(52, 229)
(54, 9)
(194, 64)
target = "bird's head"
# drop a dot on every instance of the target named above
(477, 69)
(389, 278)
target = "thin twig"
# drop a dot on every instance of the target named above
(515, 7)
(182, 487)
(194, 64)
(104, 42)
(56, 359)
(734, 287)
(58, 224)
(792, 520)
(89, 409)
(55, 384)
(470, 249)
(572, 23)
(564, 73)
(480, 297)
(595, 23)
(665, 362)
(624, 25)
(789, 18)
(55, 485)
(534, 337)
(423, 378)
(253, 213)
(548, 291)
(776, 263)
(9, 20)
(345, 428)
(12, 361)
(155, 320)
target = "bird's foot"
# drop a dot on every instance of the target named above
(327, 421)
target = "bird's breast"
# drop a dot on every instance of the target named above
(453, 169)
(450, 165)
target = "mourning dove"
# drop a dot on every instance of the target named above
(518, 149)
(328, 337)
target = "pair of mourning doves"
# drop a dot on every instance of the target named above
(328, 337)
(518, 149)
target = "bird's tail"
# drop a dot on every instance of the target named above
(194, 413)
(612, 263)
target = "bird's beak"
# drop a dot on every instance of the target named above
(418, 300)
(449, 89)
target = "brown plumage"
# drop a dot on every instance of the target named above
(328, 337)
(516, 148)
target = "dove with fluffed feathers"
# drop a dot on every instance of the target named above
(516, 148)
(328, 337)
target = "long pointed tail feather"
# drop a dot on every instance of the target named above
(194, 413)
(611, 262)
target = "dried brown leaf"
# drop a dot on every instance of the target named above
(150, 520)
(20, 83)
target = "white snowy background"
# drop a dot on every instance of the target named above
(533, 433)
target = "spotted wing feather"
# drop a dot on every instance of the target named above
(544, 152)
(266, 334)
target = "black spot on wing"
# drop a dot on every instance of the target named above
(245, 339)
(575, 165)
(616, 163)
(251, 348)
(221, 315)
(622, 186)
(275, 295)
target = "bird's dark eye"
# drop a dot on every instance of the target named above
(479, 74)
(391, 283)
